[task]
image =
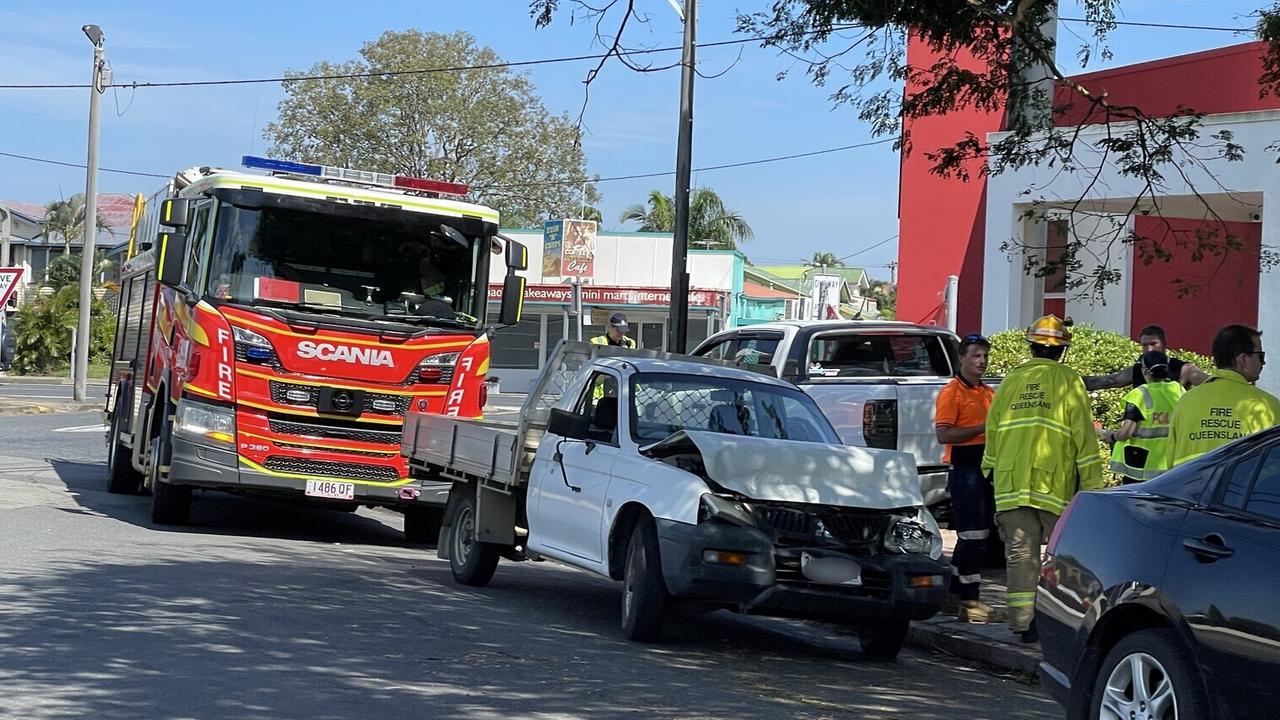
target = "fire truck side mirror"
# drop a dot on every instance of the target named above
(517, 255)
(175, 212)
(173, 249)
(512, 307)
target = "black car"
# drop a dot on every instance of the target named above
(7, 346)
(1162, 600)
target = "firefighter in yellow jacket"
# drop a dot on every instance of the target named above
(1042, 448)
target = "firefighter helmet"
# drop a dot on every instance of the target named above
(1050, 330)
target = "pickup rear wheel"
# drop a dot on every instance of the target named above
(170, 504)
(644, 591)
(472, 562)
(884, 640)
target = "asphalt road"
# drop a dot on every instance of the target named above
(265, 610)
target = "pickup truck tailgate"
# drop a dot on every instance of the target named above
(473, 448)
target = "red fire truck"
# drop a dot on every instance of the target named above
(273, 336)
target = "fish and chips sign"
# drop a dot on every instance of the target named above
(569, 249)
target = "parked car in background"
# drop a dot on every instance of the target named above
(1158, 600)
(877, 381)
(8, 347)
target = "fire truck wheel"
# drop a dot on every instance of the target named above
(472, 562)
(170, 504)
(422, 524)
(122, 479)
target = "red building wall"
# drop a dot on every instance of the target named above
(1226, 285)
(942, 221)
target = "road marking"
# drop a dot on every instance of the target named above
(41, 397)
(82, 429)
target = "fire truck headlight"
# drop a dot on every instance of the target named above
(249, 337)
(434, 368)
(206, 422)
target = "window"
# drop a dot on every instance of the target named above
(1264, 497)
(1239, 480)
(600, 403)
(196, 247)
(666, 403)
(118, 351)
(871, 355)
(757, 350)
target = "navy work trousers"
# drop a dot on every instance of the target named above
(972, 509)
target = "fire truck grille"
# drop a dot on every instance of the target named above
(309, 396)
(304, 466)
(335, 432)
(345, 451)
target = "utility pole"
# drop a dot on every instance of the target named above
(6, 226)
(677, 323)
(96, 86)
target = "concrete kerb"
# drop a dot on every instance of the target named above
(12, 407)
(947, 636)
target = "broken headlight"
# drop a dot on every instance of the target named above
(918, 534)
(714, 507)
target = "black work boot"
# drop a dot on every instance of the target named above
(1031, 634)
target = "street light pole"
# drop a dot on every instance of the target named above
(81, 369)
(677, 323)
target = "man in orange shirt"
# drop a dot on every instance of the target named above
(960, 420)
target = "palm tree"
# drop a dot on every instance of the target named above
(65, 219)
(825, 260)
(712, 225)
(590, 212)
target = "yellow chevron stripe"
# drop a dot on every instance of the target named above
(329, 383)
(313, 413)
(450, 345)
(273, 473)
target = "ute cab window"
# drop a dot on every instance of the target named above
(872, 355)
(415, 269)
(664, 404)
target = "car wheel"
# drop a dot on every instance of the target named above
(472, 562)
(170, 504)
(1149, 675)
(422, 524)
(884, 640)
(644, 591)
(122, 479)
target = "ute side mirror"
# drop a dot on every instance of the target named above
(568, 425)
(175, 212)
(173, 249)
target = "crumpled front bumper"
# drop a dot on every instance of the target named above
(770, 583)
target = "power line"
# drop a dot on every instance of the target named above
(872, 247)
(531, 63)
(81, 166)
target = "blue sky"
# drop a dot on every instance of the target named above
(841, 202)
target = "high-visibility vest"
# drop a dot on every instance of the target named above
(604, 340)
(1156, 401)
(1224, 408)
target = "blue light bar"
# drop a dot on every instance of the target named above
(261, 163)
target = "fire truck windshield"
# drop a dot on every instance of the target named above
(411, 270)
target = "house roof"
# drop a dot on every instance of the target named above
(756, 290)
(852, 275)
(116, 210)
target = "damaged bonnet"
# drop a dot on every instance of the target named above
(801, 472)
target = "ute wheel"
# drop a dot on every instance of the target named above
(1148, 674)
(472, 562)
(422, 524)
(122, 479)
(884, 640)
(644, 591)
(170, 504)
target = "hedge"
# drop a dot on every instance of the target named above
(1092, 352)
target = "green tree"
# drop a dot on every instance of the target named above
(64, 220)
(712, 225)
(825, 260)
(64, 270)
(484, 127)
(42, 331)
(590, 212)
(886, 297)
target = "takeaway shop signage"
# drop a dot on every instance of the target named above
(595, 295)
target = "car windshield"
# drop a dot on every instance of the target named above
(409, 270)
(665, 403)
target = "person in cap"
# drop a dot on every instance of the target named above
(1227, 406)
(1139, 445)
(1151, 338)
(960, 421)
(615, 333)
(1041, 449)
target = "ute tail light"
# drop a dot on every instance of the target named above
(880, 424)
(484, 394)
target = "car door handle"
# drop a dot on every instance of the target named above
(1209, 548)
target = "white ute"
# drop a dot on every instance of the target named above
(688, 480)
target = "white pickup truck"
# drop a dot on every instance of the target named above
(688, 480)
(877, 381)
